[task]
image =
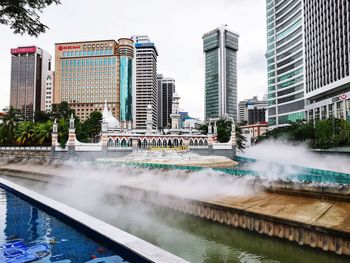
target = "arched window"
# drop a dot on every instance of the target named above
(191, 142)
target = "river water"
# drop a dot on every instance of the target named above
(191, 238)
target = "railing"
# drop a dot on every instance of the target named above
(25, 148)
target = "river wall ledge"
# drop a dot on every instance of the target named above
(311, 222)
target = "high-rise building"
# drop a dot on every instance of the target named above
(252, 111)
(285, 61)
(308, 60)
(327, 43)
(49, 88)
(88, 74)
(126, 54)
(220, 47)
(145, 82)
(166, 88)
(29, 67)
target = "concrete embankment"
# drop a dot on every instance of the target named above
(312, 222)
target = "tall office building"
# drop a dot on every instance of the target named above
(29, 67)
(126, 54)
(166, 88)
(88, 75)
(49, 88)
(327, 43)
(285, 61)
(220, 47)
(145, 81)
(308, 60)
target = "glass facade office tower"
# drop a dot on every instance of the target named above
(126, 53)
(285, 61)
(87, 74)
(166, 88)
(145, 81)
(327, 43)
(29, 67)
(220, 47)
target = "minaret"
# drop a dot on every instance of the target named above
(175, 116)
(71, 134)
(149, 119)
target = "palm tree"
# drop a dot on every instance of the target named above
(42, 132)
(25, 133)
(8, 126)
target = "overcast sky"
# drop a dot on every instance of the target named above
(175, 26)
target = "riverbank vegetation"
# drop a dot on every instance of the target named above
(14, 130)
(324, 134)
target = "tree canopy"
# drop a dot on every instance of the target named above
(324, 134)
(23, 15)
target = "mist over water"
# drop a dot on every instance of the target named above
(276, 151)
(94, 190)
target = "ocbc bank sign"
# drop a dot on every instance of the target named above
(341, 97)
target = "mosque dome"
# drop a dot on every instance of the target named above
(107, 117)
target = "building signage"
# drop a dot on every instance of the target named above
(341, 97)
(23, 50)
(60, 48)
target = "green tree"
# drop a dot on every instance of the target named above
(224, 130)
(61, 111)
(23, 15)
(41, 116)
(8, 127)
(25, 133)
(93, 124)
(63, 132)
(324, 134)
(43, 133)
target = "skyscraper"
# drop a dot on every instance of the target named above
(29, 67)
(166, 88)
(285, 61)
(220, 47)
(308, 60)
(88, 74)
(327, 43)
(145, 81)
(126, 54)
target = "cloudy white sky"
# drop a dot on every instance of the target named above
(175, 26)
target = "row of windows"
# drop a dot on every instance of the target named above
(289, 30)
(291, 90)
(291, 36)
(286, 17)
(289, 22)
(290, 74)
(290, 82)
(290, 67)
(290, 107)
(88, 62)
(291, 98)
(290, 44)
(291, 118)
(290, 59)
(88, 53)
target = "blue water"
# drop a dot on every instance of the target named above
(19, 220)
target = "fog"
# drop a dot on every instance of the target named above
(270, 152)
